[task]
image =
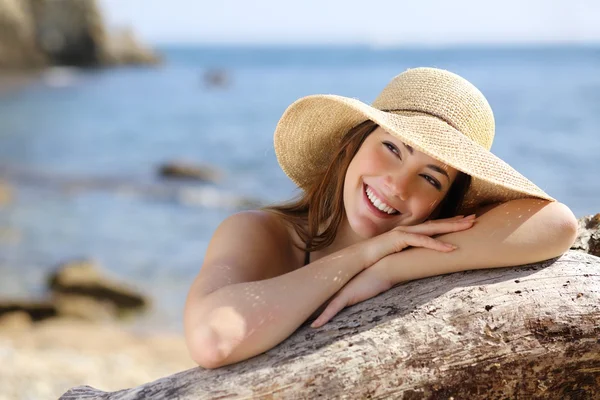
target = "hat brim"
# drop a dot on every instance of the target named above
(310, 131)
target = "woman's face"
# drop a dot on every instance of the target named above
(388, 184)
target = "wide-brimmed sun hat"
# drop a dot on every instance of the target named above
(435, 111)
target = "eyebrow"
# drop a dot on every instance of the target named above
(430, 166)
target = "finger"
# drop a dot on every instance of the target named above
(405, 239)
(435, 221)
(334, 307)
(451, 218)
(439, 227)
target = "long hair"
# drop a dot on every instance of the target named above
(453, 201)
(317, 213)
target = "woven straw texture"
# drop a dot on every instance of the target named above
(435, 111)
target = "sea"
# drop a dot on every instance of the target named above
(80, 150)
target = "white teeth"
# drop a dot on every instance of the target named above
(380, 205)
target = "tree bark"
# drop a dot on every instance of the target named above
(522, 332)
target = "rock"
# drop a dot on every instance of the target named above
(523, 332)
(218, 78)
(588, 236)
(122, 48)
(69, 32)
(18, 36)
(15, 321)
(37, 310)
(37, 33)
(80, 290)
(85, 308)
(77, 279)
(185, 170)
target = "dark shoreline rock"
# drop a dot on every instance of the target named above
(83, 278)
(18, 48)
(79, 289)
(187, 170)
(39, 33)
(36, 310)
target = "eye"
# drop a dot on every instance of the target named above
(393, 149)
(433, 181)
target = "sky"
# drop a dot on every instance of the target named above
(373, 22)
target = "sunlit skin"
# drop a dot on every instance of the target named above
(253, 289)
(401, 176)
(406, 179)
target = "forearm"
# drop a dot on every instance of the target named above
(239, 321)
(514, 233)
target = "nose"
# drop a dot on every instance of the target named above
(398, 184)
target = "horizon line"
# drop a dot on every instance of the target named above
(379, 46)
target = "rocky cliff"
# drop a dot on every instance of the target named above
(38, 33)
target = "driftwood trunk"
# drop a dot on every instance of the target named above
(509, 333)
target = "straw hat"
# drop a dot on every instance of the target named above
(435, 111)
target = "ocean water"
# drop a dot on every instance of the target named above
(80, 149)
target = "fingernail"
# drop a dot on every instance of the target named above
(453, 247)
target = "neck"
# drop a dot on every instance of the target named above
(344, 237)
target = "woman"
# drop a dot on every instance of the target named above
(383, 187)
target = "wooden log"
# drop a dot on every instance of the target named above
(522, 332)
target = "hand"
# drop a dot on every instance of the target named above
(373, 281)
(419, 235)
(369, 283)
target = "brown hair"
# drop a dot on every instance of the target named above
(322, 202)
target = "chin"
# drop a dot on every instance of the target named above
(365, 229)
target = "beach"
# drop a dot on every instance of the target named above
(44, 360)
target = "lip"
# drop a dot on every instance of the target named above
(374, 209)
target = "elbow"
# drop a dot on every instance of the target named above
(566, 227)
(219, 339)
(203, 347)
(569, 226)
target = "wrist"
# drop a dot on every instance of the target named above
(383, 270)
(380, 247)
(362, 254)
(369, 252)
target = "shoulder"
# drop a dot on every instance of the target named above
(257, 242)
(253, 225)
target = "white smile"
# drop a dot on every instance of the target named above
(378, 203)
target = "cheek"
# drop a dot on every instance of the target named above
(371, 161)
(425, 205)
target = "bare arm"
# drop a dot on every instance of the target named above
(513, 233)
(245, 302)
(245, 319)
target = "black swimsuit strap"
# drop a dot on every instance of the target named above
(306, 257)
(306, 254)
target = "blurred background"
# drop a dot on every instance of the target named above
(130, 128)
